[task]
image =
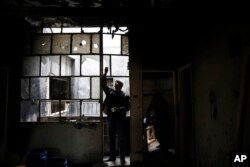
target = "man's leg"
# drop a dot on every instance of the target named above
(112, 139)
(122, 139)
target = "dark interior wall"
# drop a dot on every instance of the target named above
(218, 68)
(11, 59)
(163, 39)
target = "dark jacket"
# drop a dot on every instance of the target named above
(116, 99)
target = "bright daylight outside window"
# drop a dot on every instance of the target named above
(63, 65)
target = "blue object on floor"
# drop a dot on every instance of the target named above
(36, 158)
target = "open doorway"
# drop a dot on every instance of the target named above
(163, 82)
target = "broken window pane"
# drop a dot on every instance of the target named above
(70, 65)
(50, 65)
(80, 88)
(55, 108)
(95, 89)
(39, 88)
(111, 45)
(31, 66)
(45, 108)
(59, 88)
(25, 88)
(29, 111)
(119, 65)
(52, 108)
(61, 44)
(96, 43)
(72, 109)
(90, 65)
(90, 108)
(81, 43)
(41, 44)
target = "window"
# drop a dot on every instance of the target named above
(63, 65)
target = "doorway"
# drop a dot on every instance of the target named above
(163, 82)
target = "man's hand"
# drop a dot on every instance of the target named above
(106, 71)
(114, 109)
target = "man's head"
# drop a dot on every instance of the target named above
(118, 85)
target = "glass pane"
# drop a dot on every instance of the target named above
(72, 109)
(81, 43)
(80, 88)
(39, 88)
(111, 45)
(126, 86)
(90, 65)
(71, 30)
(70, 65)
(59, 88)
(96, 43)
(50, 65)
(125, 46)
(29, 111)
(25, 88)
(106, 63)
(51, 30)
(119, 65)
(106, 30)
(41, 44)
(45, 108)
(55, 108)
(50, 108)
(91, 29)
(61, 44)
(31, 66)
(52, 25)
(90, 108)
(95, 88)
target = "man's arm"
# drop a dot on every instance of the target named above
(105, 87)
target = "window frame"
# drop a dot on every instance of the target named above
(65, 101)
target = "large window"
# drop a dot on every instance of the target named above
(63, 66)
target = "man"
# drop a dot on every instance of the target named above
(117, 106)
